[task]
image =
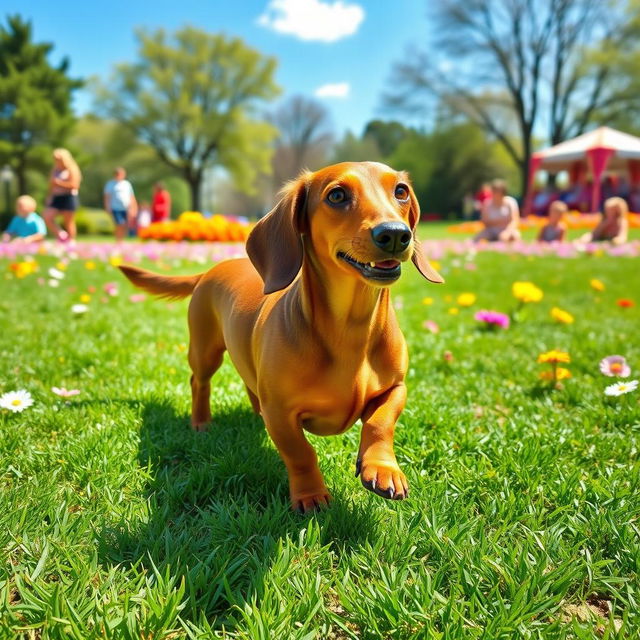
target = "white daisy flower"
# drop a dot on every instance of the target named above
(79, 309)
(620, 388)
(16, 401)
(56, 273)
(54, 283)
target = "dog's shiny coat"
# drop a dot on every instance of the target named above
(308, 323)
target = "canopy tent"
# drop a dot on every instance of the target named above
(595, 152)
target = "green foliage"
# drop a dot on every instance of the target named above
(119, 522)
(35, 102)
(388, 134)
(193, 97)
(354, 149)
(94, 222)
(105, 145)
(448, 164)
(445, 165)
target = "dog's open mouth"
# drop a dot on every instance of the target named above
(386, 270)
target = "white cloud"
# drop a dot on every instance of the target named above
(335, 90)
(319, 20)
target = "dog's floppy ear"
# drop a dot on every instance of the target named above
(274, 245)
(418, 259)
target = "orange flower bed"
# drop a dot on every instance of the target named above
(573, 220)
(193, 226)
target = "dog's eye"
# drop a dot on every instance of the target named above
(337, 196)
(402, 192)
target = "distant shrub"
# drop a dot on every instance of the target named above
(94, 222)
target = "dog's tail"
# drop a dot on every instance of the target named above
(170, 287)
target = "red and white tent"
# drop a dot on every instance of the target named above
(594, 153)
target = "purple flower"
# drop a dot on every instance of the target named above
(615, 366)
(492, 318)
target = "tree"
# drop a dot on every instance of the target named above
(530, 59)
(193, 97)
(304, 137)
(449, 163)
(354, 149)
(35, 101)
(388, 134)
(105, 145)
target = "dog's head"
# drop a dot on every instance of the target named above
(358, 218)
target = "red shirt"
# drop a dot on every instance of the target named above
(160, 206)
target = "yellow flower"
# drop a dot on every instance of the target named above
(435, 264)
(554, 356)
(23, 269)
(427, 300)
(526, 292)
(559, 315)
(85, 297)
(115, 261)
(61, 266)
(596, 284)
(560, 374)
(466, 299)
(90, 265)
(454, 311)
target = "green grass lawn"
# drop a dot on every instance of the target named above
(117, 521)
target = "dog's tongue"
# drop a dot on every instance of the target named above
(387, 264)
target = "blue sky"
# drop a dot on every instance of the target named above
(343, 45)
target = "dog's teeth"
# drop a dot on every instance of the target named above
(372, 264)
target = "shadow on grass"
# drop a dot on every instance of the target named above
(218, 510)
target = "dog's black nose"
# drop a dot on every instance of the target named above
(391, 237)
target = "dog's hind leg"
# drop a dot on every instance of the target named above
(206, 351)
(253, 398)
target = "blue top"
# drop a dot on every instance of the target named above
(121, 193)
(23, 227)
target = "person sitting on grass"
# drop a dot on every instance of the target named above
(26, 225)
(614, 225)
(500, 215)
(555, 230)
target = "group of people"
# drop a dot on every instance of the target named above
(579, 196)
(62, 201)
(500, 215)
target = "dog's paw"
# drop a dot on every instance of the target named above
(313, 502)
(384, 479)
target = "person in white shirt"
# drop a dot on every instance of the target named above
(120, 200)
(500, 215)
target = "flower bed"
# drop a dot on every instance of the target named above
(193, 226)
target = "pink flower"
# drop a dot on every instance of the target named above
(137, 297)
(493, 318)
(65, 393)
(447, 356)
(432, 326)
(111, 288)
(615, 366)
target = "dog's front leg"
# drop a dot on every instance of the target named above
(376, 464)
(306, 484)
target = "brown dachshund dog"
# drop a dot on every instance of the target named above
(308, 323)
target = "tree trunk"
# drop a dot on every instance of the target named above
(21, 179)
(523, 165)
(194, 190)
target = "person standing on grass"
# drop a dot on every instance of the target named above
(161, 203)
(500, 216)
(62, 198)
(120, 200)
